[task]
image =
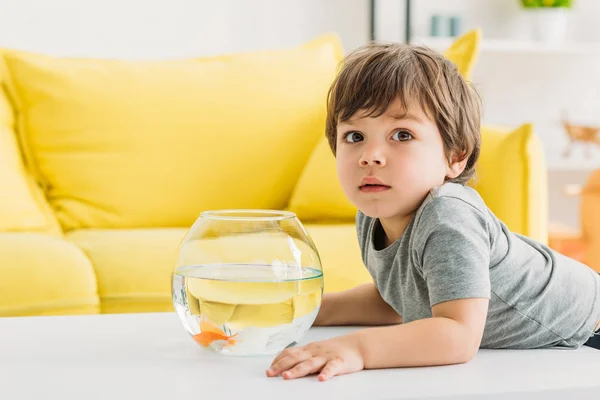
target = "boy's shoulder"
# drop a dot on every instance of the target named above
(452, 196)
(452, 203)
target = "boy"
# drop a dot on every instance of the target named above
(449, 277)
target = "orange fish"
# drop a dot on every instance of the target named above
(210, 333)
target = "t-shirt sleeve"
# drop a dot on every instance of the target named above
(453, 249)
(362, 232)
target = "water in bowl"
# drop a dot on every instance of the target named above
(247, 309)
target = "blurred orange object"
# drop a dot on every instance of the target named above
(590, 220)
(567, 240)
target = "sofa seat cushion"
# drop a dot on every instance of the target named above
(133, 266)
(44, 275)
(339, 251)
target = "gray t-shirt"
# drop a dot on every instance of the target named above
(455, 248)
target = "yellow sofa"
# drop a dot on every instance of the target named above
(105, 163)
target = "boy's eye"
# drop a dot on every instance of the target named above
(402, 135)
(353, 137)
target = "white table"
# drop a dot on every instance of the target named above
(150, 356)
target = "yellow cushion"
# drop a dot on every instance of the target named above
(120, 144)
(463, 52)
(133, 266)
(44, 275)
(512, 179)
(318, 194)
(340, 256)
(22, 205)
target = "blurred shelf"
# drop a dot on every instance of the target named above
(572, 166)
(517, 46)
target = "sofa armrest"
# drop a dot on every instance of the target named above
(536, 219)
(512, 179)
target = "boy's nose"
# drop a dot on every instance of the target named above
(372, 158)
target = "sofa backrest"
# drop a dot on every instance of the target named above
(128, 144)
(22, 203)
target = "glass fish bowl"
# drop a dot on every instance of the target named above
(247, 282)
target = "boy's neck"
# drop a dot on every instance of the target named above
(391, 230)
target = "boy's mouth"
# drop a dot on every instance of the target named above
(373, 188)
(371, 184)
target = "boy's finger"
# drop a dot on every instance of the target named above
(307, 367)
(279, 356)
(287, 362)
(331, 369)
(286, 353)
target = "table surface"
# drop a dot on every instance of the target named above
(150, 356)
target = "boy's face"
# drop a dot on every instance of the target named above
(388, 164)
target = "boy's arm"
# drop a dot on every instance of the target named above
(361, 305)
(452, 336)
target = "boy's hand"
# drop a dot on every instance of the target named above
(337, 356)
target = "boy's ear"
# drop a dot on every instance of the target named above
(456, 166)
